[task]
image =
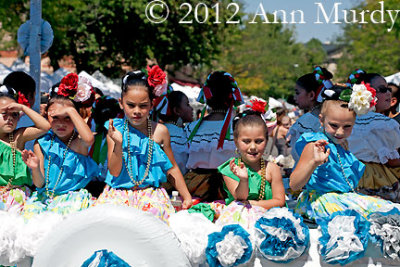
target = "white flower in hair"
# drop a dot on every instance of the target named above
(84, 90)
(361, 99)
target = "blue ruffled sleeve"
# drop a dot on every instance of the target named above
(77, 169)
(139, 145)
(329, 176)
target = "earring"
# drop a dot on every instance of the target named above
(237, 155)
(179, 122)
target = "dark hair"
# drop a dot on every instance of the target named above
(98, 91)
(309, 82)
(368, 77)
(248, 118)
(10, 93)
(104, 108)
(334, 97)
(54, 97)
(221, 90)
(136, 78)
(175, 99)
(21, 82)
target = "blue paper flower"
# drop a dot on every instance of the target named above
(344, 237)
(281, 236)
(385, 232)
(104, 258)
(230, 247)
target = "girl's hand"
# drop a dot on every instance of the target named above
(113, 133)
(30, 159)
(320, 154)
(239, 171)
(61, 113)
(14, 107)
(187, 203)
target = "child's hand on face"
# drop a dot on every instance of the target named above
(30, 159)
(114, 134)
(321, 154)
(14, 107)
(61, 113)
(240, 171)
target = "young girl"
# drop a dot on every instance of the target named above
(136, 160)
(308, 91)
(206, 136)
(375, 141)
(327, 169)
(14, 174)
(60, 165)
(253, 185)
(179, 112)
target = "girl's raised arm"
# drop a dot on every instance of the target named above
(24, 135)
(314, 154)
(35, 162)
(114, 144)
(239, 190)
(86, 135)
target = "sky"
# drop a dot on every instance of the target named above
(304, 32)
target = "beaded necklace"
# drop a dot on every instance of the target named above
(218, 111)
(344, 174)
(149, 155)
(13, 150)
(261, 194)
(61, 170)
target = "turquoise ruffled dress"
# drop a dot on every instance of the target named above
(148, 196)
(69, 194)
(331, 185)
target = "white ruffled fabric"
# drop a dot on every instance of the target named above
(305, 124)
(375, 138)
(11, 225)
(179, 145)
(35, 230)
(192, 230)
(282, 234)
(343, 238)
(203, 152)
(387, 228)
(230, 249)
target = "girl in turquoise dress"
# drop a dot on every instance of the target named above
(252, 184)
(14, 174)
(60, 164)
(139, 151)
(327, 169)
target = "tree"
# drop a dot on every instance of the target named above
(370, 46)
(108, 34)
(266, 60)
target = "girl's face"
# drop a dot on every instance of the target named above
(251, 143)
(8, 119)
(383, 94)
(60, 123)
(185, 111)
(338, 123)
(304, 99)
(136, 105)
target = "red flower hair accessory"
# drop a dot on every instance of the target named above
(22, 100)
(157, 79)
(258, 105)
(69, 85)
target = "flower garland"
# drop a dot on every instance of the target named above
(76, 88)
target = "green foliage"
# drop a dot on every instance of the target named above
(370, 46)
(108, 34)
(266, 60)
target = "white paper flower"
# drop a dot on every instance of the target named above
(360, 99)
(84, 90)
